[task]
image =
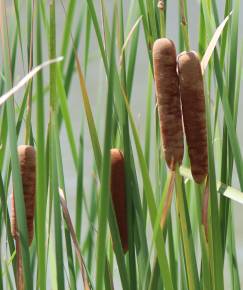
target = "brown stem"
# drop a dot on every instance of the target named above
(20, 278)
(184, 25)
(183, 16)
(205, 209)
(168, 200)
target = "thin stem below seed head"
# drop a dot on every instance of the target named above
(184, 25)
(161, 7)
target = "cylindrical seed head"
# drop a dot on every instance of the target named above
(118, 192)
(27, 169)
(168, 100)
(193, 107)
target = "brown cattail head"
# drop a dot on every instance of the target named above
(193, 107)
(118, 192)
(27, 169)
(168, 100)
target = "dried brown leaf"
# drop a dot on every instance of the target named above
(74, 238)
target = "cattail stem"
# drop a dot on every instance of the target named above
(184, 25)
(168, 200)
(30, 62)
(182, 213)
(206, 195)
(19, 269)
(161, 7)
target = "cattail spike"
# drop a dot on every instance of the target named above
(118, 192)
(193, 107)
(27, 169)
(168, 100)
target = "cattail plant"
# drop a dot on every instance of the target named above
(193, 107)
(168, 101)
(118, 192)
(27, 169)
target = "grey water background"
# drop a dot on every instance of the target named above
(96, 85)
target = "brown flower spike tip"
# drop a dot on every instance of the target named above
(27, 169)
(193, 107)
(118, 192)
(168, 99)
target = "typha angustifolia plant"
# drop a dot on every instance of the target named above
(27, 161)
(169, 108)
